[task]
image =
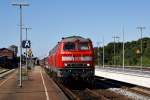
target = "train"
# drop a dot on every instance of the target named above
(72, 58)
(8, 63)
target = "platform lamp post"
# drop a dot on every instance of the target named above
(141, 32)
(123, 49)
(103, 54)
(98, 53)
(114, 50)
(20, 5)
(117, 50)
(26, 29)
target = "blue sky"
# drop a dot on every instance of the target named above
(53, 19)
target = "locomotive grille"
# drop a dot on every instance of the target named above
(76, 65)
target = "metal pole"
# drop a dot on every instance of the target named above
(141, 52)
(118, 51)
(26, 52)
(20, 84)
(141, 31)
(115, 37)
(26, 48)
(103, 53)
(114, 51)
(20, 68)
(98, 52)
(123, 50)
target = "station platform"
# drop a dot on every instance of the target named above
(137, 77)
(37, 87)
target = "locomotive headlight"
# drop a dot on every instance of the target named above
(66, 64)
(67, 58)
(88, 65)
(86, 58)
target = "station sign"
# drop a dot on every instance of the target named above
(138, 51)
(26, 44)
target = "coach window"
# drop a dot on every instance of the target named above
(69, 46)
(83, 46)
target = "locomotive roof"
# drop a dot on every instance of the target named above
(75, 38)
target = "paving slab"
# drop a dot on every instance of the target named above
(38, 87)
(126, 76)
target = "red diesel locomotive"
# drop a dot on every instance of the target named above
(72, 58)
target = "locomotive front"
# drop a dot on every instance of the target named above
(76, 58)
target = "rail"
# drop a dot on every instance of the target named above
(6, 72)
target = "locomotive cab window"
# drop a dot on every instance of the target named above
(83, 46)
(69, 46)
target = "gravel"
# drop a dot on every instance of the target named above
(129, 94)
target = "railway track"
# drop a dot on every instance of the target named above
(86, 94)
(126, 89)
(104, 89)
(4, 73)
(91, 93)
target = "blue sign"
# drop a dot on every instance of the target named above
(26, 43)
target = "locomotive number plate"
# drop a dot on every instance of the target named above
(77, 58)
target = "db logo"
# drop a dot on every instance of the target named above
(77, 58)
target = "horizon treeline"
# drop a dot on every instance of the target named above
(132, 53)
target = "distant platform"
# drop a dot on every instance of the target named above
(137, 77)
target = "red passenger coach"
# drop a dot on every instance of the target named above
(72, 58)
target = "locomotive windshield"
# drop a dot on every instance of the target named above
(72, 46)
(83, 46)
(69, 46)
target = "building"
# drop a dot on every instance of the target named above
(4, 52)
(14, 49)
